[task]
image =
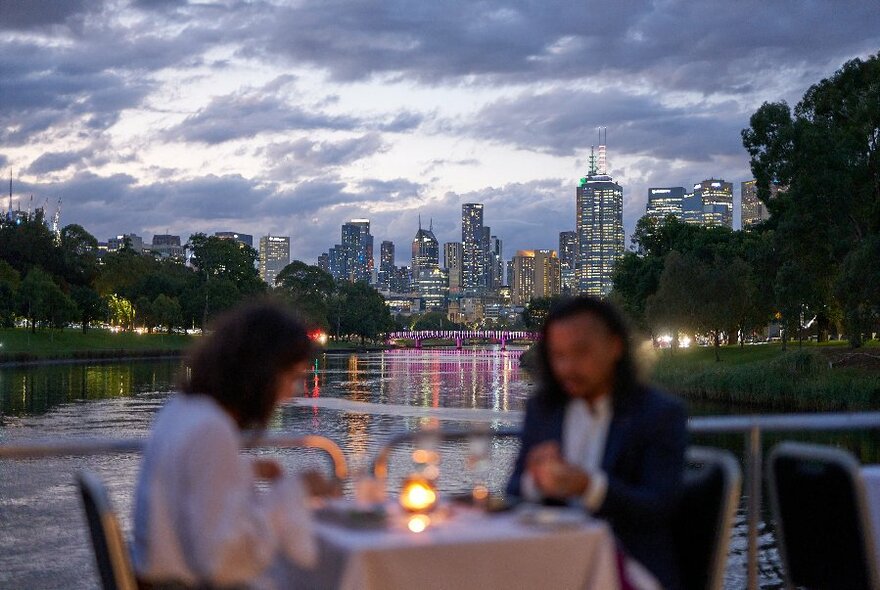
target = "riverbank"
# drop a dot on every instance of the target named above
(827, 377)
(19, 346)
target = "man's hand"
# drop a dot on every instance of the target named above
(552, 475)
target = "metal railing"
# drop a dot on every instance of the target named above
(752, 427)
(43, 448)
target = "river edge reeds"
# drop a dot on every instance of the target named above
(790, 381)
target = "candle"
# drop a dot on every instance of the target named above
(418, 494)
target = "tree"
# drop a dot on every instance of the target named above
(122, 312)
(34, 296)
(536, 312)
(824, 156)
(359, 309)
(309, 290)
(89, 304)
(9, 282)
(167, 312)
(78, 254)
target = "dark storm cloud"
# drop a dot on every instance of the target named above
(53, 162)
(563, 122)
(705, 45)
(30, 14)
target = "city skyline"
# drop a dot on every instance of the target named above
(170, 118)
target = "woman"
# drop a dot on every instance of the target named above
(595, 436)
(199, 520)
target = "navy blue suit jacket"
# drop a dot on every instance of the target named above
(644, 462)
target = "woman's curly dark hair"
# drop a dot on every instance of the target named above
(626, 380)
(239, 362)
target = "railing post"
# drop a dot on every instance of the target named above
(753, 473)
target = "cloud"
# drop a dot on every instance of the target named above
(677, 44)
(563, 122)
(306, 156)
(31, 14)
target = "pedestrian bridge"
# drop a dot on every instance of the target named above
(461, 336)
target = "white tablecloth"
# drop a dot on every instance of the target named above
(465, 551)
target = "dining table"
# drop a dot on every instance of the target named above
(462, 548)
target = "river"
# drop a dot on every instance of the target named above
(358, 400)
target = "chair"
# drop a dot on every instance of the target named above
(823, 526)
(712, 484)
(111, 554)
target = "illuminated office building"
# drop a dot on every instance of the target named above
(246, 239)
(386, 265)
(568, 260)
(452, 262)
(754, 211)
(536, 273)
(473, 269)
(599, 227)
(665, 201)
(274, 256)
(716, 197)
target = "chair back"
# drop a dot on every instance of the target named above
(111, 554)
(712, 484)
(821, 514)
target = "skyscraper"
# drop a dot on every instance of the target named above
(386, 265)
(568, 260)
(535, 274)
(425, 250)
(274, 256)
(717, 199)
(665, 201)
(358, 250)
(452, 261)
(473, 270)
(246, 239)
(496, 264)
(753, 210)
(599, 226)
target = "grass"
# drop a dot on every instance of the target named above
(19, 345)
(765, 376)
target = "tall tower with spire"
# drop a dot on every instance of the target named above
(599, 227)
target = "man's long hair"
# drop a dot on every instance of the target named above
(626, 381)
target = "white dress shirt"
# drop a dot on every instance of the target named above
(198, 516)
(584, 431)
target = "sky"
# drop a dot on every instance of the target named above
(291, 118)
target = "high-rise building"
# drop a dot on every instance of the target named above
(452, 262)
(599, 226)
(717, 199)
(536, 273)
(274, 256)
(167, 246)
(496, 264)
(117, 243)
(324, 262)
(665, 201)
(754, 211)
(692, 209)
(425, 250)
(356, 251)
(246, 239)
(386, 265)
(568, 260)
(473, 269)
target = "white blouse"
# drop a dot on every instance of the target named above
(198, 516)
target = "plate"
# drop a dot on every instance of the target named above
(546, 517)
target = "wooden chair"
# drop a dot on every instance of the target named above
(821, 516)
(111, 553)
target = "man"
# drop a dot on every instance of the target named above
(595, 436)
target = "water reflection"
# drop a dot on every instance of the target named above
(358, 400)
